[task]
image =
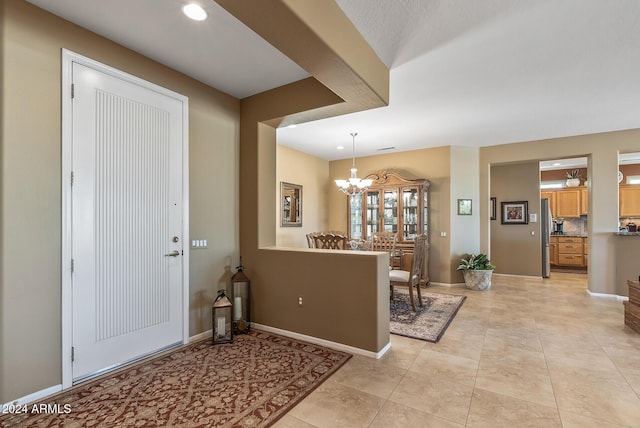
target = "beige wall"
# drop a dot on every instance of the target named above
(602, 151)
(30, 279)
(432, 164)
(312, 173)
(464, 234)
(514, 250)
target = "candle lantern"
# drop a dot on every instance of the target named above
(222, 319)
(241, 312)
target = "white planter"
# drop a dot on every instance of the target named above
(477, 279)
(573, 182)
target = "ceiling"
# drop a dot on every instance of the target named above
(463, 72)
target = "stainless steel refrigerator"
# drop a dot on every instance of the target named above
(545, 236)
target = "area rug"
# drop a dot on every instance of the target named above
(429, 322)
(251, 382)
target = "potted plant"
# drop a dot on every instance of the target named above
(477, 270)
(573, 178)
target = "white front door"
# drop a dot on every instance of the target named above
(127, 214)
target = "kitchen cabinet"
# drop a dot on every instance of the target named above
(584, 201)
(551, 195)
(629, 197)
(585, 250)
(568, 203)
(553, 251)
(570, 251)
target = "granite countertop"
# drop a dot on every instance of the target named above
(570, 235)
(627, 233)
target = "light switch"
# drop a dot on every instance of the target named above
(443, 234)
(533, 218)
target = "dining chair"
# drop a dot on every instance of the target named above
(412, 277)
(330, 241)
(385, 241)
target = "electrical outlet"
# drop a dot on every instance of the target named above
(299, 300)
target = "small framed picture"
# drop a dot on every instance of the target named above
(464, 206)
(515, 212)
(492, 208)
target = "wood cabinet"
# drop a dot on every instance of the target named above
(584, 201)
(570, 251)
(629, 198)
(551, 195)
(568, 203)
(553, 251)
(585, 244)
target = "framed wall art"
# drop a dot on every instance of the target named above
(515, 212)
(464, 206)
(492, 208)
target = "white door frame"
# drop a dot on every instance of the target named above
(68, 58)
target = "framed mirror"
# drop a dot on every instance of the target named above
(290, 205)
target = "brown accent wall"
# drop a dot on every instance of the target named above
(30, 210)
(514, 250)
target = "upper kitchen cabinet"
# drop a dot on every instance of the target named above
(584, 201)
(551, 195)
(629, 200)
(568, 203)
(392, 204)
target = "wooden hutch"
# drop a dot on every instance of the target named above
(392, 204)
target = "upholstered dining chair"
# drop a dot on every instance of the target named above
(330, 241)
(411, 278)
(385, 241)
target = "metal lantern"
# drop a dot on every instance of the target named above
(222, 321)
(241, 311)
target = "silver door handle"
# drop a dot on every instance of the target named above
(175, 253)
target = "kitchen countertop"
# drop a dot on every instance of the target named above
(569, 235)
(627, 233)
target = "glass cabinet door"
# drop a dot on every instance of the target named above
(390, 211)
(373, 212)
(425, 212)
(410, 218)
(355, 210)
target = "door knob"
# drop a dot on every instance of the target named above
(175, 253)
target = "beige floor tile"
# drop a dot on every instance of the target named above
(288, 421)
(467, 346)
(336, 405)
(370, 376)
(446, 400)
(493, 410)
(516, 338)
(394, 415)
(447, 367)
(572, 420)
(525, 383)
(495, 353)
(403, 352)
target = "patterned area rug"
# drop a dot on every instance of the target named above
(251, 382)
(429, 322)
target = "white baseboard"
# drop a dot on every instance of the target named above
(323, 342)
(606, 295)
(35, 396)
(517, 276)
(446, 284)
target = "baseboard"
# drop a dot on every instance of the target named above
(517, 276)
(200, 336)
(323, 342)
(446, 284)
(35, 396)
(606, 295)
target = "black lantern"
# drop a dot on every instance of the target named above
(222, 321)
(241, 286)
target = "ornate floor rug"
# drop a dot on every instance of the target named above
(251, 382)
(429, 322)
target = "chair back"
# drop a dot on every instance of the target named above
(330, 241)
(384, 241)
(417, 262)
(310, 240)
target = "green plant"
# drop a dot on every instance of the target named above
(573, 174)
(476, 262)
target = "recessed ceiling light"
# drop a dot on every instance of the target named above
(195, 12)
(340, 147)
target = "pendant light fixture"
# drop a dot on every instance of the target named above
(354, 186)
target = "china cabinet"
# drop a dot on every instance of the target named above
(392, 204)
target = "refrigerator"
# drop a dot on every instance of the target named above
(546, 226)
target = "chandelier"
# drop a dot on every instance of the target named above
(354, 186)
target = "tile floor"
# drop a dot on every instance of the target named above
(527, 353)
